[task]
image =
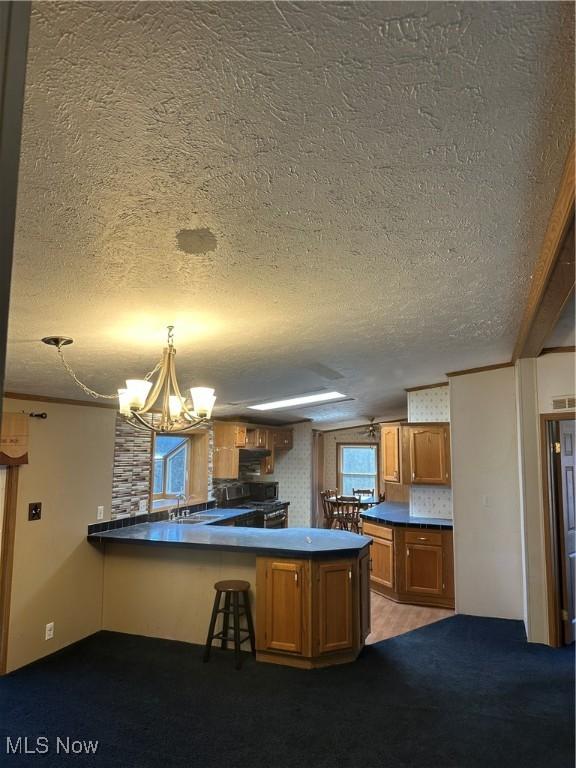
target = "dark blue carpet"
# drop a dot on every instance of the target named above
(463, 693)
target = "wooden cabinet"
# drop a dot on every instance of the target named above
(335, 606)
(312, 613)
(284, 606)
(413, 454)
(240, 436)
(390, 453)
(423, 567)
(430, 455)
(282, 439)
(257, 437)
(382, 553)
(225, 463)
(412, 565)
(365, 614)
(267, 464)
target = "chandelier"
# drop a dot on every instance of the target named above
(175, 414)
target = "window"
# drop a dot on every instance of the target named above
(170, 468)
(357, 468)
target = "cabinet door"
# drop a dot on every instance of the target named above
(267, 464)
(226, 463)
(282, 439)
(429, 455)
(240, 436)
(365, 608)
(424, 569)
(390, 454)
(382, 552)
(284, 606)
(335, 606)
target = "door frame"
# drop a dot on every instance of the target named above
(551, 523)
(7, 560)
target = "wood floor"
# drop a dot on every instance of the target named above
(390, 619)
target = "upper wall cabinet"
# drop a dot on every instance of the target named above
(390, 453)
(430, 454)
(282, 439)
(257, 438)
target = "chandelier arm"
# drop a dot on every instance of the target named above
(136, 422)
(141, 424)
(191, 415)
(157, 386)
(87, 390)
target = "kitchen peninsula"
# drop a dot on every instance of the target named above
(412, 557)
(310, 586)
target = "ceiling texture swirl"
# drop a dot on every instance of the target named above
(317, 195)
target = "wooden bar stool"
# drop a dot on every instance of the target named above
(231, 590)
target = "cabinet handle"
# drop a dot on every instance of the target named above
(422, 538)
(407, 552)
(413, 475)
(350, 574)
(296, 577)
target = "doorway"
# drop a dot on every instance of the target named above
(558, 456)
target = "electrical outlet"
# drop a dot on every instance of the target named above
(100, 513)
(35, 510)
(49, 631)
(143, 506)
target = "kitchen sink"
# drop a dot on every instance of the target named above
(196, 519)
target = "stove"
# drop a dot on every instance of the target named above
(269, 514)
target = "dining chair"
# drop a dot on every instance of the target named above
(328, 507)
(362, 491)
(347, 514)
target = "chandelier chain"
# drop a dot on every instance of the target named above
(82, 386)
(92, 392)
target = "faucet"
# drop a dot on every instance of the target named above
(181, 497)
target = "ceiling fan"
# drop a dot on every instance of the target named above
(372, 430)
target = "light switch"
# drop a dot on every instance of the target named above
(35, 510)
(100, 513)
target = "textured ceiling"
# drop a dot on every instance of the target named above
(370, 182)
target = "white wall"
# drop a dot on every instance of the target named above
(485, 491)
(57, 574)
(555, 377)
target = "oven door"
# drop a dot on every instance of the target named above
(276, 519)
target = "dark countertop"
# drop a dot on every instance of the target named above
(398, 513)
(289, 542)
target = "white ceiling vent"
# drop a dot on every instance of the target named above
(564, 403)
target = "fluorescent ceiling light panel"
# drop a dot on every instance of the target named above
(302, 400)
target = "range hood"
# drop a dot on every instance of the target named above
(248, 455)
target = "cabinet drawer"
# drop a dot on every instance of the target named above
(423, 536)
(380, 531)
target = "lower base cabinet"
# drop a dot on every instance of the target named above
(412, 565)
(312, 613)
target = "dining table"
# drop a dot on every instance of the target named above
(364, 501)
